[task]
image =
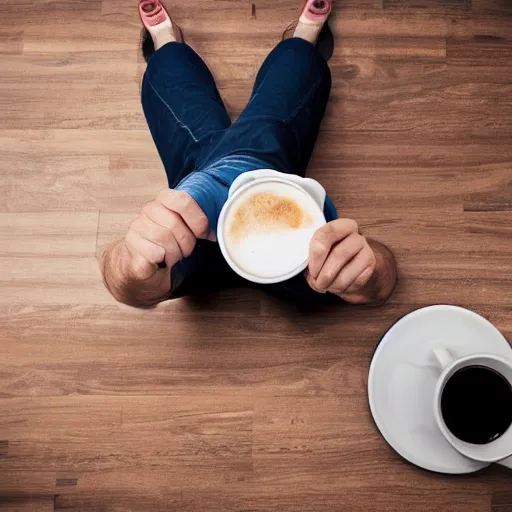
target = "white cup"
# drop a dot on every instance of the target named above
(244, 183)
(499, 450)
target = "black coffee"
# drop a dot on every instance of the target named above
(476, 404)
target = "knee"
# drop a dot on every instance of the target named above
(306, 54)
(159, 62)
(168, 61)
(305, 48)
(174, 65)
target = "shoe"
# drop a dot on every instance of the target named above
(153, 13)
(316, 12)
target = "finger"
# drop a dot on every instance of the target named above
(312, 283)
(359, 270)
(319, 249)
(145, 255)
(173, 257)
(340, 255)
(171, 222)
(159, 235)
(183, 204)
(158, 213)
(323, 240)
(365, 275)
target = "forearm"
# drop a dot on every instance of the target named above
(136, 293)
(381, 284)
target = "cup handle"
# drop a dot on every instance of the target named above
(443, 357)
(506, 462)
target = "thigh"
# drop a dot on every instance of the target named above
(183, 108)
(291, 92)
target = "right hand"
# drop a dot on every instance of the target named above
(165, 231)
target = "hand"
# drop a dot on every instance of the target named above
(165, 232)
(340, 259)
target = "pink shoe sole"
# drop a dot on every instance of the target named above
(152, 13)
(316, 11)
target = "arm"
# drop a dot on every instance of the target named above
(164, 233)
(343, 262)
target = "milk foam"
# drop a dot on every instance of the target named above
(268, 228)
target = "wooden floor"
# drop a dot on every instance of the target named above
(238, 402)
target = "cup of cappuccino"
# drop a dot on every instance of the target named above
(267, 223)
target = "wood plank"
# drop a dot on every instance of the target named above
(54, 6)
(497, 223)
(23, 484)
(495, 6)
(367, 150)
(427, 4)
(11, 43)
(67, 183)
(479, 50)
(26, 12)
(64, 279)
(276, 495)
(499, 199)
(279, 496)
(78, 143)
(111, 34)
(484, 26)
(501, 501)
(27, 505)
(187, 437)
(48, 234)
(31, 103)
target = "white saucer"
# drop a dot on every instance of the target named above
(403, 375)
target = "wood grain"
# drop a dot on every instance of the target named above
(237, 401)
(427, 4)
(27, 505)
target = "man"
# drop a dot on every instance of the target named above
(170, 249)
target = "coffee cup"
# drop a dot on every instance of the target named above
(267, 223)
(473, 405)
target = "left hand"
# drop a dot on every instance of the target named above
(340, 259)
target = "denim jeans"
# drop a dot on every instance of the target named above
(203, 152)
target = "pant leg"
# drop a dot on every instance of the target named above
(183, 109)
(277, 130)
(280, 124)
